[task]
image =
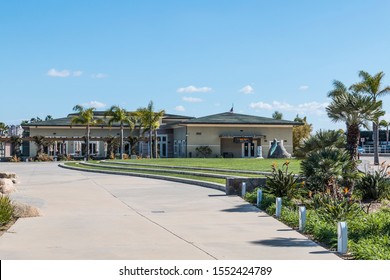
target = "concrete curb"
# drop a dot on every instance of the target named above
(151, 176)
(188, 167)
(210, 175)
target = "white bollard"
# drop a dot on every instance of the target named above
(259, 197)
(302, 218)
(342, 237)
(278, 207)
(243, 189)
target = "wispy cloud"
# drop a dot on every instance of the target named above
(180, 108)
(95, 104)
(192, 89)
(99, 76)
(303, 87)
(77, 73)
(247, 90)
(192, 99)
(63, 73)
(58, 73)
(303, 108)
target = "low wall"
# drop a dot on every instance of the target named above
(234, 185)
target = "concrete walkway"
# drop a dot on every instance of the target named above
(97, 216)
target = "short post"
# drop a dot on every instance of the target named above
(259, 197)
(243, 189)
(302, 218)
(278, 207)
(342, 237)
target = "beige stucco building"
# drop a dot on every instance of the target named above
(227, 134)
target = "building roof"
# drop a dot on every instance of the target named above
(233, 118)
(226, 118)
(67, 121)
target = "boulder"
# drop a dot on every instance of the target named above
(6, 186)
(7, 175)
(24, 211)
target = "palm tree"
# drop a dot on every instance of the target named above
(323, 139)
(85, 117)
(3, 128)
(150, 121)
(353, 109)
(120, 115)
(372, 85)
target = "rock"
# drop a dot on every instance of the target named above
(7, 175)
(24, 211)
(6, 186)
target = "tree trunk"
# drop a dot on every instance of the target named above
(375, 138)
(155, 143)
(150, 143)
(121, 140)
(88, 142)
(353, 135)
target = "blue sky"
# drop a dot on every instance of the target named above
(191, 58)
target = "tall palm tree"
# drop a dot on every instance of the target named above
(120, 115)
(150, 121)
(353, 109)
(372, 85)
(85, 117)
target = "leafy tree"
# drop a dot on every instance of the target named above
(300, 133)
(85, 117)
(372, 86)
(277, 115)
(120, 115)
(16, 141)
(353, 109)
(150, 122)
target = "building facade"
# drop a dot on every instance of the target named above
(226, 134)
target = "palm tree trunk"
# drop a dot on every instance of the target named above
(353, 134)
(155, 143)
(88, 132)
(121, 140)
(375, 138)
(150, 143)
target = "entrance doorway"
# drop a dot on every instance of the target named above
(248, 149)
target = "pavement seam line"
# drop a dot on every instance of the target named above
(154, 222)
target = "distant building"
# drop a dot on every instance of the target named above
(227, 134)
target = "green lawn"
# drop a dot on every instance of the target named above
(251, 164)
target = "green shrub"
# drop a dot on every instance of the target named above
(376, 185)
(281, 183)
(6, 210)
(203, 151)
(290, 217)
(251, 197)
(371, 248)
(335, 209)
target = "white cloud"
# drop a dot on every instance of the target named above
(192, 89)
(304, 108)
(99, 76)
(192, 99)
(260, 105)
(180, 108)
(303, 87)
(77, 73)
(58, 74)
(247, 90)
(95, 104)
